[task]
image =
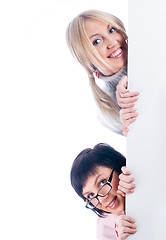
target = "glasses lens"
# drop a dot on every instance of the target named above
(92, 203)
(104, 190)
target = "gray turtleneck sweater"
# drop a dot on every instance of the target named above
(109, 86)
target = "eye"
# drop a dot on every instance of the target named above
(97, 41)
(90, 195)
(112, 29)
(103, 182)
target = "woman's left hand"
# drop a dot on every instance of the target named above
(127, 116)
(126, 184)
(125, 226)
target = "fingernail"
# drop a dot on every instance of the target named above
(133, 119)
(137, 114)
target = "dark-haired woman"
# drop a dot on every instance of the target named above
(99, 177)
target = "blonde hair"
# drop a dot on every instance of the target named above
(84, 51)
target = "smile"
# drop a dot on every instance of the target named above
(116, 54)
(113, 203)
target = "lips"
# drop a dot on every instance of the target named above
(113, 203)
(116, 54)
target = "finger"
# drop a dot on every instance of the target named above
(130, 230)
(127, 100)
(124, 218)
(124, 81)
(127, 123)
(125, 230)
(126, 105)
(121, 193)
(125, 132)
(122, 85)
(125, 170)
(121, 88)
(127, 116)
(127, 110)
(124, 111)
(123, 236)
(120, 213)
(127, 94)
(126, 188)
(126, 177)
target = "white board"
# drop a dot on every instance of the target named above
(146, 150)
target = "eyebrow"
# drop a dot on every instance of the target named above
(95, 182)
(94, 35)
(108, 26)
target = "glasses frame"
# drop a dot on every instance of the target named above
(88, 203)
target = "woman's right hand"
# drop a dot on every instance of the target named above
(126, 100)
(125, 226)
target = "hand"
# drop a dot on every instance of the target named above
(126, 101)
(125, 226)
(125, 98)
(127, 116)
(126, 184)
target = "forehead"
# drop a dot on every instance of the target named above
(93, 26)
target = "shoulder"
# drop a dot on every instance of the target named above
(109, 220)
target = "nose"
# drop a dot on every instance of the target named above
(111, 42)
(103, 199)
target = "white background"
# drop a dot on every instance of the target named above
(47, 116)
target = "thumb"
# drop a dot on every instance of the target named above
(120, 213)
(124, 81)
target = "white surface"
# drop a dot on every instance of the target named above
(47, 116)
(146, 151)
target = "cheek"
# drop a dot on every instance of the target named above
(121, 203)
(100, 50)
(115, 183)
(120, 38)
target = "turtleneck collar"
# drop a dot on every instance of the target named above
(116, 76)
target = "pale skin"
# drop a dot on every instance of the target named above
(126, 101)
(110, 45)
(125, 225)
(114, 201)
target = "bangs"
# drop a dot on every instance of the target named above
(92, 53)
(82, 168)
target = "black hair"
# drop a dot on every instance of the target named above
(86, 162)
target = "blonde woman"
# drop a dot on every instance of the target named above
(98, 41)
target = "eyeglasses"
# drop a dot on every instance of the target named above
(103, 191)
